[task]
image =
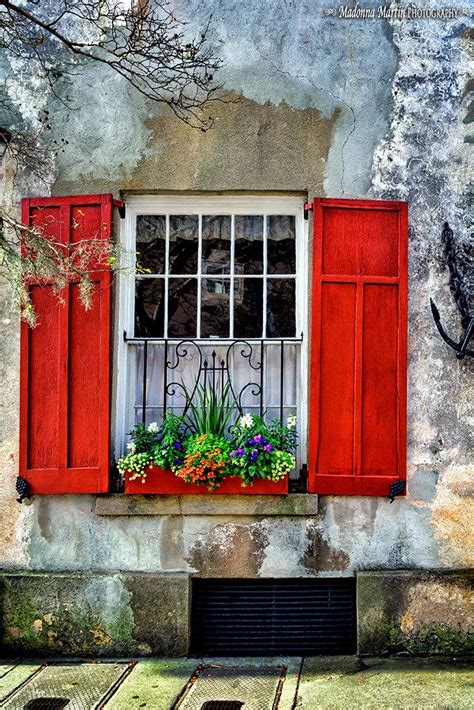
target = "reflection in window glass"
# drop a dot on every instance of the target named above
(281, 308)
(281, 244)
(149, 308)
(215, 308)
(248, 308)
(216, 245)
(151, 243)
(248, 244)
(182, 308)
(183, 244)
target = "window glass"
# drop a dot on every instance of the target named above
(182, 308)
(215, 305)
(149, 308)
(151, 243)
(184, 232)
(242, 287)
(216, 243)
(248, 244)
(281, 244)
(281, 308)
(248, 308)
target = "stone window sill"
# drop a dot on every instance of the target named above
(292, 505)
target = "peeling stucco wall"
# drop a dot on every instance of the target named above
(327, 106)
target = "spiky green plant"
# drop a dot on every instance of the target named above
(209, 412)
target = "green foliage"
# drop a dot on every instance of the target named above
(261, 450)
(206, 460)
(197, 449)
(209, 412)
(168, 451)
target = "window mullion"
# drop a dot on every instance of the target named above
(167, 256)
(265, 266)
(232, 258)
(198, 324)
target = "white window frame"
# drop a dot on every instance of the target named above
(208, 205)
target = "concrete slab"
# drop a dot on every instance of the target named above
(157, 683)
(154, 683)
(14, 674)
(392, 683)
(294, 505)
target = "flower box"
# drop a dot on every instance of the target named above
(160, 482)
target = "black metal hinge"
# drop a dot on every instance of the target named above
(121, 208)
(397, 488)
(308, 206)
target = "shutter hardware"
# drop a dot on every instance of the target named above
(397, 488)
(308, 206)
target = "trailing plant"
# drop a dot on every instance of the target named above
(168, 451)
(153, 446)
(196, 449)
(261, 450)
(206, 460)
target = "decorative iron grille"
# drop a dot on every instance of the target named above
(256, 374)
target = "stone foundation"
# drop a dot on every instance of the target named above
(144, 614)
(419, 612)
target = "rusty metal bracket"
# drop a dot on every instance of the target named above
(457, 287)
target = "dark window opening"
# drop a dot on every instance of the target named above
(238, 617)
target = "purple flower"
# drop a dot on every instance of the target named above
(238, 453)
(268, 447)
(253, 455)
(178, 461)
(177, 445)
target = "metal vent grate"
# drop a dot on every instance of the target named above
(273, 616)
(47, 704)
(222, 705)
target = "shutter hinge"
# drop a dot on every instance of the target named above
(308, 206)
(121, 208)
(397, 488)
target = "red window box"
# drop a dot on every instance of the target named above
(162, 482)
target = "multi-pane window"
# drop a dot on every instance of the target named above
(215, 276)
(226, 277)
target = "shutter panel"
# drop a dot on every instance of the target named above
(357, 428)
(65, 362)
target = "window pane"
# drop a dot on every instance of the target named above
(183, 244)
(281, 244)
(216, 245)
(248, 244)
(182, 308)
(151, 243)
(149, 308)
(248, 308)
(215, 295)
(281, 308)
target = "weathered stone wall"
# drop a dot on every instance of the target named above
(321, 105)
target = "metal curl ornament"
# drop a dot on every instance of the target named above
(456, 285)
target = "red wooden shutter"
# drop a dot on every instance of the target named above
(357, 428)
(65, 362)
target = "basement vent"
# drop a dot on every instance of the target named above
(47, 704)
(222, 705)
(265, 617)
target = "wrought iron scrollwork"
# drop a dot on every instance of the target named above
(192, 364)
(458, 288)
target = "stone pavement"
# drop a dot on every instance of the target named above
(190, 684)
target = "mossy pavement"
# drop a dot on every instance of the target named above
(311, 683)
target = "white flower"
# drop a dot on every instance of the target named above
(153, 427)
(291, 421)
(131, 447)
(246, 421)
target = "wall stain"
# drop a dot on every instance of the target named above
(320, 555)
(229, 551)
